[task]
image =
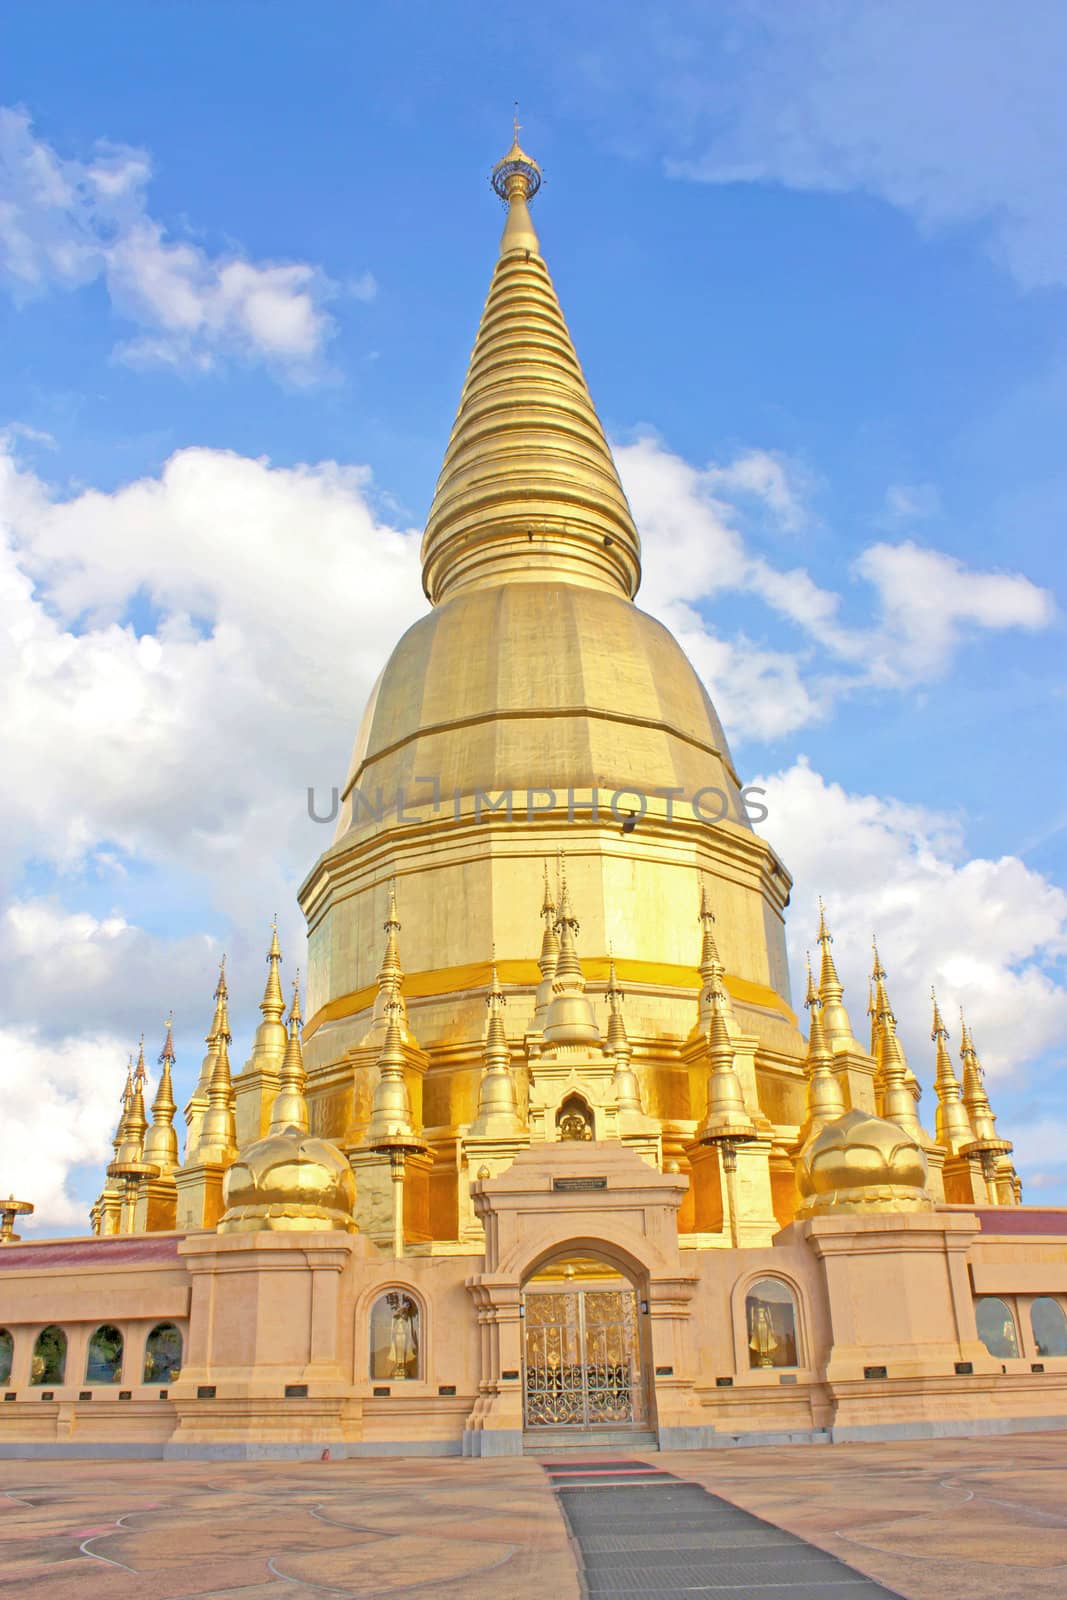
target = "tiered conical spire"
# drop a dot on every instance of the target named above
(268, 1046)
(623, 1079)
(835, 1023)
(197, 1106)
(498, 1105)
(528, 482)
(898, 1103)
(988, 1144)
(390, 1125)
(161, 1142)
(712, 969)
(727, 1118)
(218, 1132)
(390, 979)
(135, 1123)
(570, 1019)
(825, 1101)
(548, 958)
(952, 1128)
(290, 1109)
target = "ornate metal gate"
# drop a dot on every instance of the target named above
(583, 1365)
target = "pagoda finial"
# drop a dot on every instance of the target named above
(528, 485)
(516, 178)
(390, 978)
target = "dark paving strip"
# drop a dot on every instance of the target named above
(649, 1533)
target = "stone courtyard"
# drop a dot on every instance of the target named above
(930, 1520)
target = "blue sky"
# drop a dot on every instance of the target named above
(815, 264)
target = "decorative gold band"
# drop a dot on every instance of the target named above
(476, 975)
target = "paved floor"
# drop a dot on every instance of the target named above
(981, 1519)
(645, 1534)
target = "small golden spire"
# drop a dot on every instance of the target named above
(570, 1018)
(498, 1104)
(161, 1143)
(952, 1127)
(218, 1133)
(992, 1149)
(727, 1118)
(835, 1019)
(390, 979)
(197, 1104)
(390, 1126)
(290, 1108)
(273, 1003)
(825, 1100)
(624, 1079)
(898, 1103)
(549, 943)
(136, 1121)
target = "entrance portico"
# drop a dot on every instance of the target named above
(612, 1336)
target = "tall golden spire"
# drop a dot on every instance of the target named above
(498, 1104)
(952, 1127)
(570, 1019)
(825, 1101)
(898, 1103)
(835, 1019)
(623, 1079)
(528, 489)
(290, 1109)
(161, 1142)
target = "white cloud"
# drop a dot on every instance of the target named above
(64, 222)
(699, 538)
(989, 934)
(952, 112)
(61, 1105)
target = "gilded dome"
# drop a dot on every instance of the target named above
(532, 683)
(289, 1182)
(861, 1163)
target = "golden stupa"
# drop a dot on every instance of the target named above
(550, 1054)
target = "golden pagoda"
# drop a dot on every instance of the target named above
(551, 1099)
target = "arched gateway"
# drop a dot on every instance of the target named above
(583, 1331)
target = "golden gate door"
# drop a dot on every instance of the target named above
(582, 1357)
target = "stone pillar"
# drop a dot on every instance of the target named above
(199, 1191)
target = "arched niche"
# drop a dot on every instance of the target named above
(103, 1357)
(395, 1336)
(163, 1354)
(1048, 1323)
(48, 1363)
(996, 1327)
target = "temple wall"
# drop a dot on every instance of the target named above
(276, 1329)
